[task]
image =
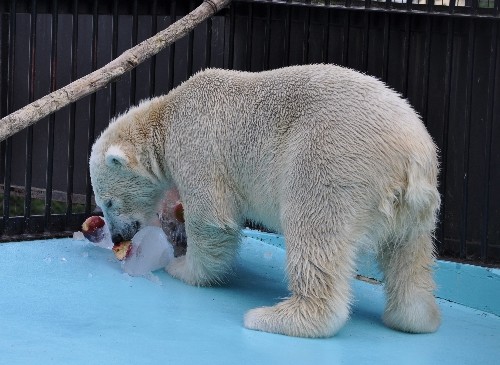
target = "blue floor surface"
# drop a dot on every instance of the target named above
(67, 302)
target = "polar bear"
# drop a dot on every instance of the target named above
(331, 158)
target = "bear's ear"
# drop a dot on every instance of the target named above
(115, 156)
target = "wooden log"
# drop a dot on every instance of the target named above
(98, 79)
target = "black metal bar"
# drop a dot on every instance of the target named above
(152, 67)
(52, 120)
(267, 38)
(133, 73)
(366, 42)
(387, 23)
(408, 5)
(326, 38)
(114, 54)
(406, 58)
(488, 146)
(29, 131)
(288, 28)
(446, 122)
(427, 65)
(249, 38)
(451, 6)
(430, 6)
(72, 117)
(347, 26)
(305, 45)
(190, 49)
(474, 7)
(171, 59)
(208, 43)
(230, 56)
(91, 127)
(466, 140)
(10, 107)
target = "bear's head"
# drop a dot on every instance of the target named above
(125, 185)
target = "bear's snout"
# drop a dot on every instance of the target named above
(125, 233)
(117, 238)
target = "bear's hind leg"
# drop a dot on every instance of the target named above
(409, 285)
(320, 267)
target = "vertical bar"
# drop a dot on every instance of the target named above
(475, 6)
(406, 58)
(387, 23)
(91, 128)
(487, 148)
(154, 30)
(307, 26)
(114, 54)
(191, 45)
(446, 121)
(171, 59)
(29, 130)
(72, 118)
(230, 58)
(208, 43)
(451, 6)
(10, 107)
(50, 131)
(249, 38)
(133, 73)
(366, 41)
(427, 63)
(345, 55)
(326, 39)
(430, 6)
(267, 37)
(288, 32)
(468, 114)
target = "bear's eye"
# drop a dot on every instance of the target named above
(108, 204)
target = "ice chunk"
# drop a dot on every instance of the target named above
(151, 250)
(104, 238)
(78, 236)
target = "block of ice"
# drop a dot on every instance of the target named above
(78, 236)
(151, 250)
(104, 238)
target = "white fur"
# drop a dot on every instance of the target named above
(329, 157)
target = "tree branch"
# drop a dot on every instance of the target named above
(96, 80)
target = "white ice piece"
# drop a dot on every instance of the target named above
(151, 250)
(78, 236)
(104, 238)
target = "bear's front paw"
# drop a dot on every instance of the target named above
(297, 317)
(185, 269)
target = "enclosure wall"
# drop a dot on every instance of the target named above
(443, 58)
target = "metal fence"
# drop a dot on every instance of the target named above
(442, 56)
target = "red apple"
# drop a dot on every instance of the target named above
(93, 229)
(179, 212)
(122, 249)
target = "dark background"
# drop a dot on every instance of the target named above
(444, 59)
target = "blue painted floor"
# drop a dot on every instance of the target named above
(67, 302)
